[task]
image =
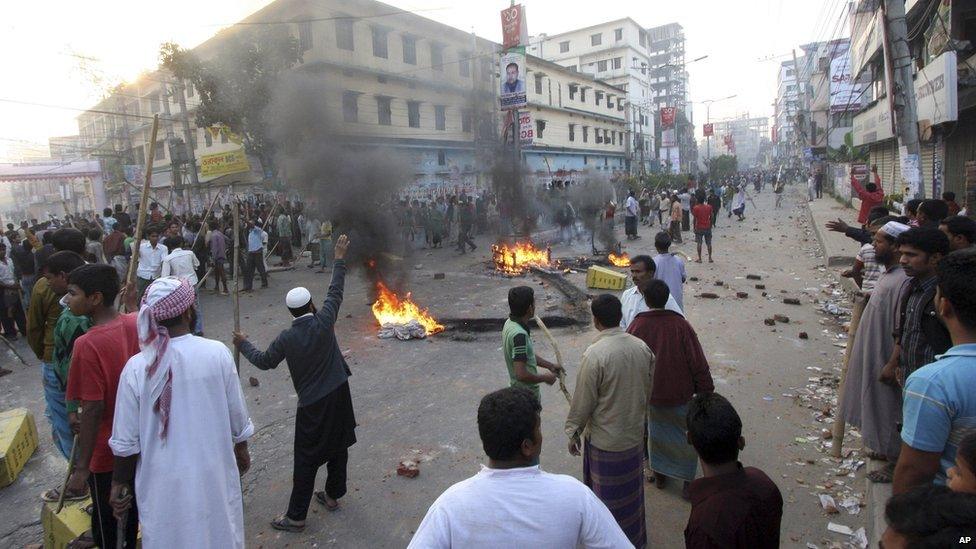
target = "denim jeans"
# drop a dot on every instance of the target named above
(55, 410)
(198, 327)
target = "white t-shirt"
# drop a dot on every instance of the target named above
(514, 508)
(633, 304)
(633, 208)
(181, 263)
(150, 260)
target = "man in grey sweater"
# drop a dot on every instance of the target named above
(325, 423)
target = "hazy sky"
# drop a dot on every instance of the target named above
(66, 54)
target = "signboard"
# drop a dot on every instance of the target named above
(667, 116)
(512, 68)
(708, 130)
(910, 174)
(873, 124)
(526, 129)
(668, 138)
(515, 30)
(214, 165)
(937, 90)
(866, 36)
(845, 94)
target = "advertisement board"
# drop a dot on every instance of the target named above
(526, 129)
(937, 90)
(667, 116)
(213, 165)
(708, 130)
(515, 30)
(845, 94)
(512, 68)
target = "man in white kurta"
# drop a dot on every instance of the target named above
(642, 270)
(187, 479)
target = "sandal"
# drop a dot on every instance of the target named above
(324, 500)
(54, 494)
(883, 475)
(286, 524)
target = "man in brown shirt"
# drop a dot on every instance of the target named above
(732, 505)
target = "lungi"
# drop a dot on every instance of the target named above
(617, 478)
(630, 225)
(670, 453)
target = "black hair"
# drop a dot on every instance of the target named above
(299, 311)
(882, 221)
(94, 234)
(662, 241)
(871, 187)
(714, 428)
(506, 418)
(68, 239)
(97, 278)
(912, 205)
(960, 225)
(932, 516)
(173, 242)
(63, 262)
(877, 211)
(967, 450)
(656, 294)
(646, 260)
(957, 283)
(934, 210)
(948, 196)
(118, 207)
(511, 65)
(520, 298)
(152, 229)
(607, 310)
(927, 239)
(107, 212)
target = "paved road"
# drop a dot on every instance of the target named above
(417, 400)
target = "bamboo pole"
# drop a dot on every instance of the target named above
(237, 280)
(203, 224)
(155, 198)
(143, 199)
(839, 428)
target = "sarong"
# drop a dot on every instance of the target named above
(617, 478)
(671, 455)
(630, 225)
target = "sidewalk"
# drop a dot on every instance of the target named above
(840, 251)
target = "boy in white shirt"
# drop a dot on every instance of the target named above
(183, 263)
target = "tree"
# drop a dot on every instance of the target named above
(847, 152)
(722, 166)
(235, 85)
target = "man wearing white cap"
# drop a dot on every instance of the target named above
(325, 423)
(869, 403)
(180, 429)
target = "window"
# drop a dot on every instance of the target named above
(564, 46)
(609, 101)
(383, 113)
(140, 155)
(223, 136)
(601, 66)
(350, 106)
(464, 64)
(596, 39)
(207, 138)
(599, 97)
(344, 35)
(618, 62)
(618, 34)
(160, 150)
(440, 117)
(441, 158)
(586, 133)
(409, 50)
(620, 136)
(437, 57)
(572, 91)
(607, 136)
(538, 84)
(573, 68)
(598, 135)
(583, 95)
(413, 114)
(380, 43)
(613, 138)
(305, 35)
(466, 121)
(540, 126)
(189, 89)
(586, 160)
(572, 132)
(642, 38)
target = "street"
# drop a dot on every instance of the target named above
(416, 400)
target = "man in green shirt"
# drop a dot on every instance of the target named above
(520, 356)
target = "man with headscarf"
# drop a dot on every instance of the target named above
(325, 424)
(180, 429)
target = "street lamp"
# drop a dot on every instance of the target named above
(708, 118)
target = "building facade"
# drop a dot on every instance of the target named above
(744, 137)
(616, 52)
(669, 87)
(40, 190)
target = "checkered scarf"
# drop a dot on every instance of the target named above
(165, 298)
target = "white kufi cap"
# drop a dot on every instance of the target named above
(297, 297)
(894, 228)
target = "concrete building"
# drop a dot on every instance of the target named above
(66, 148)
(580, 124)
(391, 78)
(669, 87)
(39, 190)
(835, 98)
(616, 52)
(786, 109)
(744, 137)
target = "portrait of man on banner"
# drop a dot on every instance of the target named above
(512, 67)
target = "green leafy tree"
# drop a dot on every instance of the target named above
(847, 152)
(235, 84)
(722, 166)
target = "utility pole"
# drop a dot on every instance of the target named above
(177, 186)
(801, 107)
(903, 100)
(191, 156)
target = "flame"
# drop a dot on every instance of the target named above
(517, 258)
(622, 260)
(390, 309)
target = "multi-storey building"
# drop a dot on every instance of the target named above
(747, 138)
(617, 53)
(580, 123)
(669, 88)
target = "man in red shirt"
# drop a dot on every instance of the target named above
(93, 379)
(871, 195)
(703, 224)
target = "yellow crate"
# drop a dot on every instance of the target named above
(18, 440)
(61, 528)
(605, 279)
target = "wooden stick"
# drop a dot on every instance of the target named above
(203, 224)
(559, 358)
(143, 200)
(839, 428)
(155, 198)
(237, 280)
(67, 477)
(13, 350)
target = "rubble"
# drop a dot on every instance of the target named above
(741, 295)
(439, 276)
(254, 381)
(753, 277)
(781, 318)
(719, 283)
(760, 286)
(791, 301)
(408, 468)
(769, 321)
(803, 335)
(708, 295)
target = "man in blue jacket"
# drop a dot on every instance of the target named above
(325, 423)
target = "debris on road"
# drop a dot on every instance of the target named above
(753, 277)
(828, 504)
(769, 321)
(708, 295)
(781, 318)
(760, 286)
(254, 381)
(408, 468)
(439, 276)
(803, 335)
(791, 301)
(741, 295)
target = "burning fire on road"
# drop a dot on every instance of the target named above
(401, 317)
(621, 260)
(516, 259)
